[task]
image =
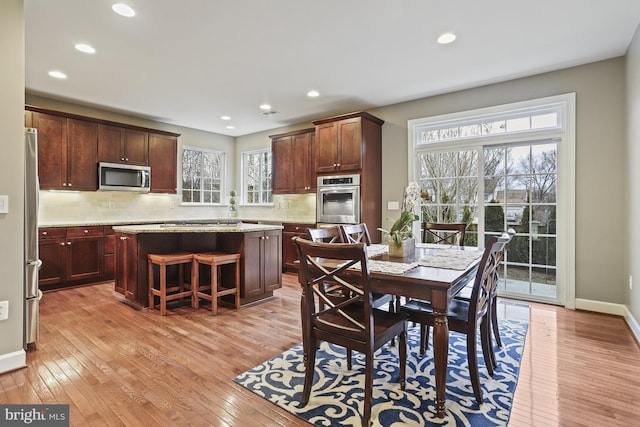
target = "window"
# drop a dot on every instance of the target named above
(256, 177)
(506, 167)
(202, 175)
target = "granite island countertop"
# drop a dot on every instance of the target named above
(195, 228)
(132, 222)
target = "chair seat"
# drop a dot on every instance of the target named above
(335, 323)
(458, 309)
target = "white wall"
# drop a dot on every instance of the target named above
(11, 181)
(632, 297)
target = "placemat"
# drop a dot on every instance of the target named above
(453, 259)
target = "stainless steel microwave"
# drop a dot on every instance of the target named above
(117, 177)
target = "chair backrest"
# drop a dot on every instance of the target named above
(322, 262)
(326, 234)
(445, 233)
(486, 279)
(356, 233)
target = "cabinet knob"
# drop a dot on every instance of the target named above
(64, 184)
(69, 184)
(122, 158)
(68, 243)
(335, 165)
(126, 159)
(123, 238)
(44, 233)
(62, 244)
(86, 231)
(338, 164)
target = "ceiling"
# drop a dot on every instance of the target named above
(190, 62)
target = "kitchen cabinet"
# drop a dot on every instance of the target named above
(123, 145)
(70, 255)
(67, 152)
(126, 267)
(289, 253)
(293, 160)
(347, 143)
(163, 154)
(52, 250)
(109, 243)
(261, 263)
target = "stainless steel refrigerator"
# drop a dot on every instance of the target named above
(32, 261)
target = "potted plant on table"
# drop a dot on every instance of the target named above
(400, 237)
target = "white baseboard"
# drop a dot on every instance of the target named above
(610, 308)
(13, 361)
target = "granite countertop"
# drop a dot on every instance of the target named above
(195, 228)
(160, 221)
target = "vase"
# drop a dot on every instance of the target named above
(406, 248)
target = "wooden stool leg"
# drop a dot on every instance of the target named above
(151, 298)
(214, 288)
(195, 301)
(237, 284)
(163, 289)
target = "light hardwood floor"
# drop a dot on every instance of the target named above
(118, 366)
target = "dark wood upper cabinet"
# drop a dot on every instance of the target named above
(67, 152)
(122, 145)
(293, 162)
(343, 142)
(163, 153)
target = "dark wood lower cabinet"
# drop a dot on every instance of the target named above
(289, 254)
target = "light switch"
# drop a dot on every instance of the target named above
(4, 204)
(393, 206)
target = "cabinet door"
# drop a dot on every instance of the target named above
(84, 258)
(253, 264)
(136, 145)
(109, 255)
(304, 170)
(110, 144)
(52, 151)
(52, 254)
(282, 165)
(126, 262)
(350, 144)
(327, 147)
(163, 153)
(272, 260)
(82, 155)
(289, 254)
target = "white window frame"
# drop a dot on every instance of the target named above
(223, 174)
(566, 211)
(244, 194)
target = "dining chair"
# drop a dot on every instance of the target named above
(331, 234)
(355, 233)
(444, 233)
(467, 316)
(354, 322)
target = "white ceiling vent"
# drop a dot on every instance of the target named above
(268, 113)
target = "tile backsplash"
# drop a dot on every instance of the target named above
(118, 207)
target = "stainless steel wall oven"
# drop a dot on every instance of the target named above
(338, 199)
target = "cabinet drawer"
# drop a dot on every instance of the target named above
(52, 233)
(296, 228)
(90, 231)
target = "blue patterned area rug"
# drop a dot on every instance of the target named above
(337, 394)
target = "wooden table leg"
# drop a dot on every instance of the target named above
(441, 354)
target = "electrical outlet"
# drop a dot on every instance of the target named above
(630, 282)
(4, 310)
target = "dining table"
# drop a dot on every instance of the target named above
(431, 272)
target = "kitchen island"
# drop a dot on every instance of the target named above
(259, 246)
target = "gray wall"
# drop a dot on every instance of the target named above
(632, 297)
(600, 157)
(11, 173)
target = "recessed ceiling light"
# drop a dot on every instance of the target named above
(123, 9)
(313, 93)
(83, 47)
(231, 127)
(57, 74)
(446, 38)
(225, 117)
(265, 107)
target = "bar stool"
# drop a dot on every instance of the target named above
(215, 261)
(180, 290)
